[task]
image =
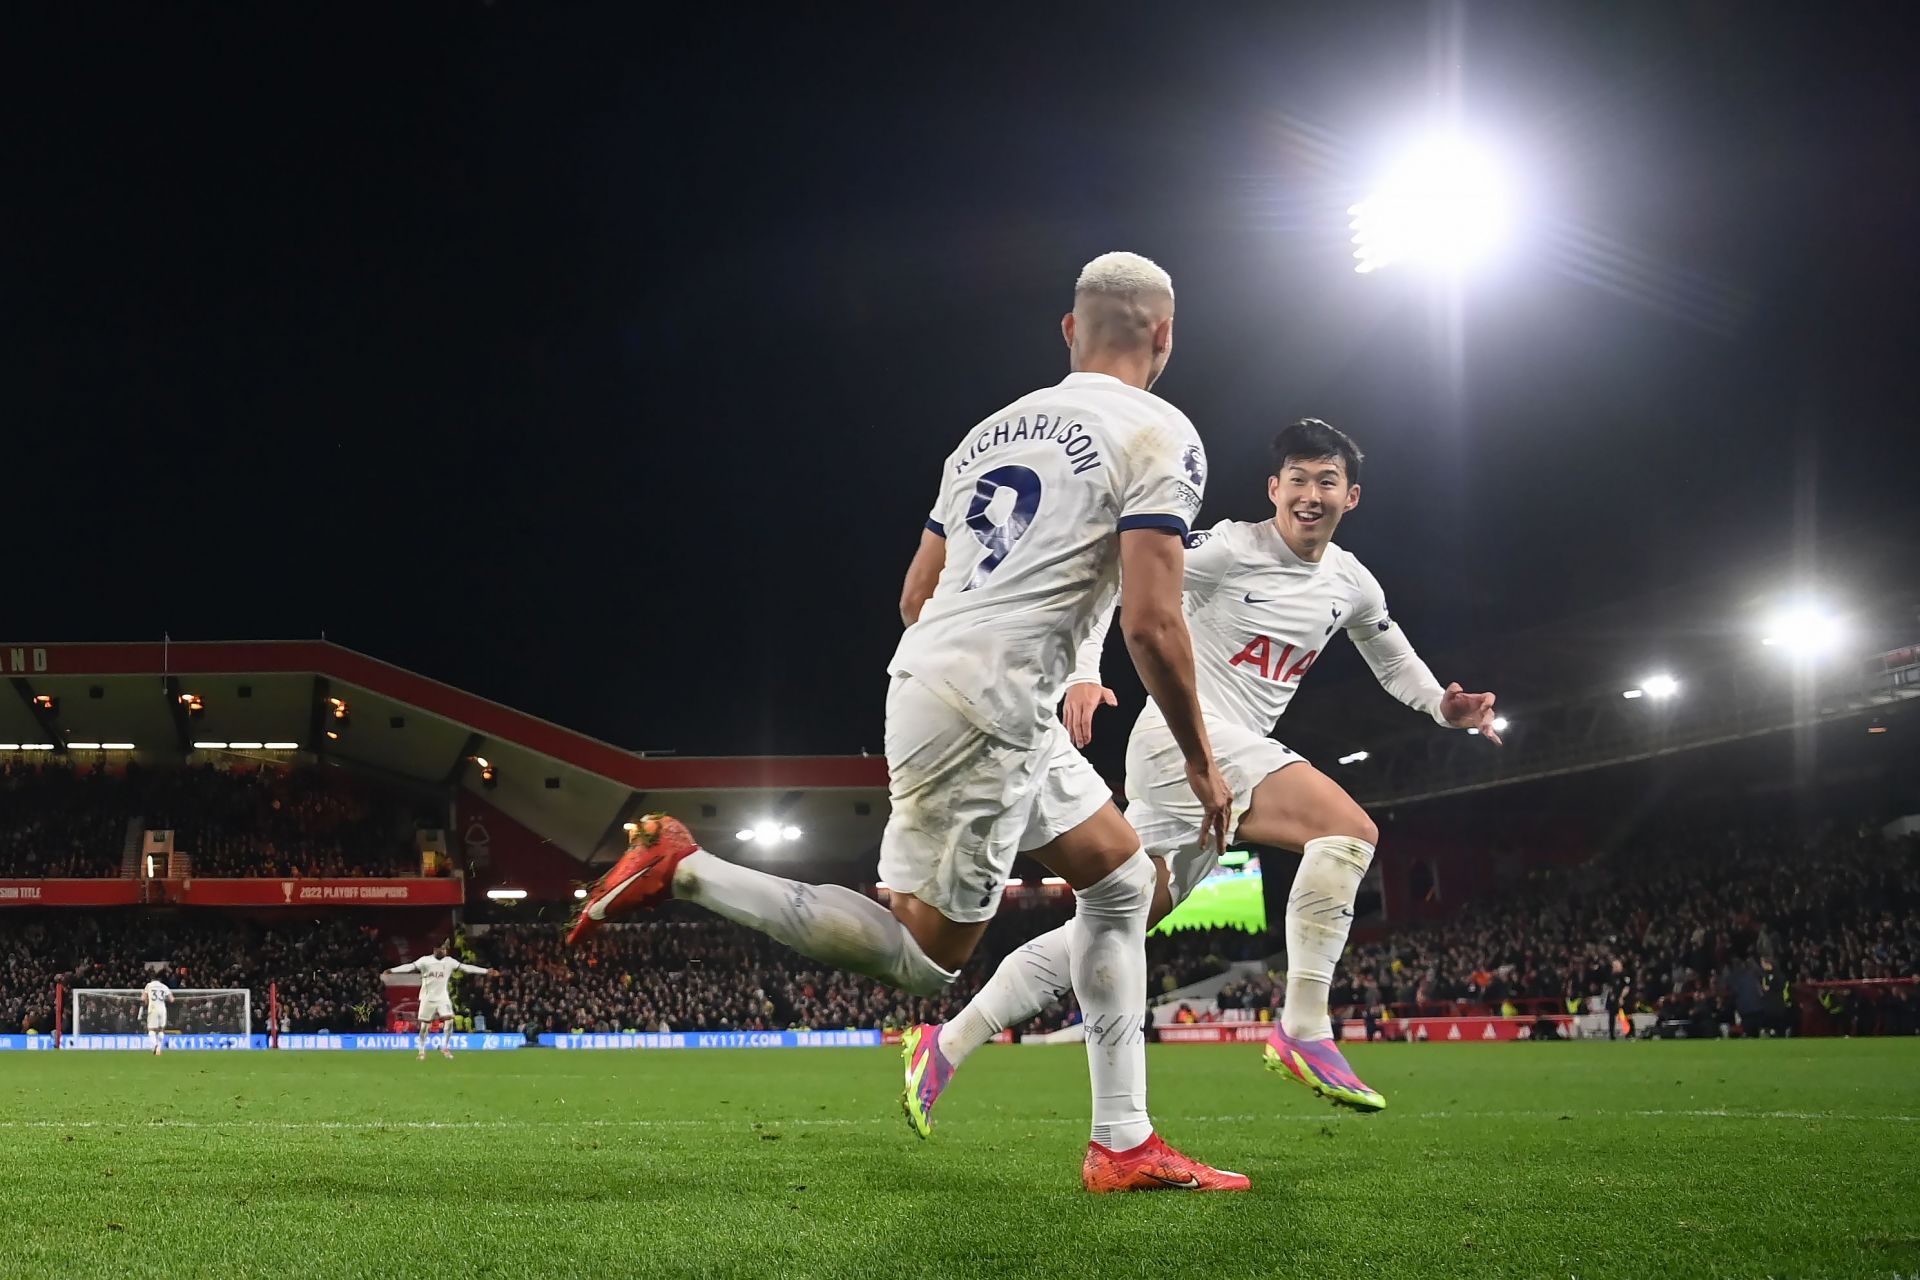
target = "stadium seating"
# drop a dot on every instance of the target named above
(58, 821)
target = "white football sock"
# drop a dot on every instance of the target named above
(1025, 983)
(827, 922)
(1319, 914)
(425, 1027)
(1109, 969)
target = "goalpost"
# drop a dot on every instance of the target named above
(117, 1011)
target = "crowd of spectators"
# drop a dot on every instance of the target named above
(57, 820)
(688, 971)
(1698, 927)
(327, 974)
(1707, 929)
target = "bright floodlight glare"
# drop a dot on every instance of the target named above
(579, 893)
(1631, 694)
(790, 833)
(1353, 758)
(1444, 204)
(1807, 629)
(1500, 724)
(1661, 686)
(744, 833)
(766, 833)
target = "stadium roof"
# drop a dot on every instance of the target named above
(572, 790)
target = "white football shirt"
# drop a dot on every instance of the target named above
(434, 972)
(157, 992)
(1029, 505)
(1261, 616)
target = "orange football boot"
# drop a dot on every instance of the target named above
(1153, 1166)
(642, 878)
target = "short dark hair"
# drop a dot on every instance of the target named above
(1310, 439)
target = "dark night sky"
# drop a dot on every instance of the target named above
(603, 366)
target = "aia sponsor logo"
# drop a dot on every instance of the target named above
(1258, 656)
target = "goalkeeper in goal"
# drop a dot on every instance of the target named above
(154, 998)
(435, 1004)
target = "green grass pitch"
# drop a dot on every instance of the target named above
(1778, 1158)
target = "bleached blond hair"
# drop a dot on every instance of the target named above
(1123, 274)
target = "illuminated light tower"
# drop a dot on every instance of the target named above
(1445, 205)
(1807, 629)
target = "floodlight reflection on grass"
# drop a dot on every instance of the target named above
(1445, 204)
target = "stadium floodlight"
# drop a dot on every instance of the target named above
(579, 893)
(767, 833)
(1500, 724)
(244, 746)
(744, 833)
(1353, 757)
(1444, 203)
(209, 746)
(36, 746)
(1631, 694)
(83, 746)
(1052, 880)
(1660, 687)
(283, 746)
(116, 746)
(1016, 883)
(790, 833)
(1807, 628)
(9, 746)
(506, 895)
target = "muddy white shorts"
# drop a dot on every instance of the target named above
(964, 803)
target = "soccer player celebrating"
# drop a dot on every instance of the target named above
(436, 1005)
(1261, 600)
(1039, 508)
(154, 999)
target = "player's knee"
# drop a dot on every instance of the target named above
(1361, 827)
(1127, 890)
(916, 973)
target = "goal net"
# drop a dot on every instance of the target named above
(113, 1011)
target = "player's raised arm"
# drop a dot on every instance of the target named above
(1390, 656)
(923, 573)
(1155, 628)
(479, 970)
(411, 966)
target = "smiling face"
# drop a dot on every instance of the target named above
(1315, 482)
(1310, 495)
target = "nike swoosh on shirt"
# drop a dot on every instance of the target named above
(1262, 600)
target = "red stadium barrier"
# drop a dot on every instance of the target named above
(116, 892)
(267, 892)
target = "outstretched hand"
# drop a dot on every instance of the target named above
(1076, 710)
(493, 973)
(1465, 710)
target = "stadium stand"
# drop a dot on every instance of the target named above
(57, 820)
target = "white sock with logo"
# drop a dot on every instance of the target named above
(1109, 969)
(826, 922)
(1319, 915)
(1026, 982)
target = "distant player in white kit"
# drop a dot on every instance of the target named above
(1039, 509)
(154, 998)
(1262, 601)
(436, 1005)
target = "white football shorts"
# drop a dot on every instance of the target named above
(435, 1011)
(156, 1017)
(964, 804)
(1163, 809)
